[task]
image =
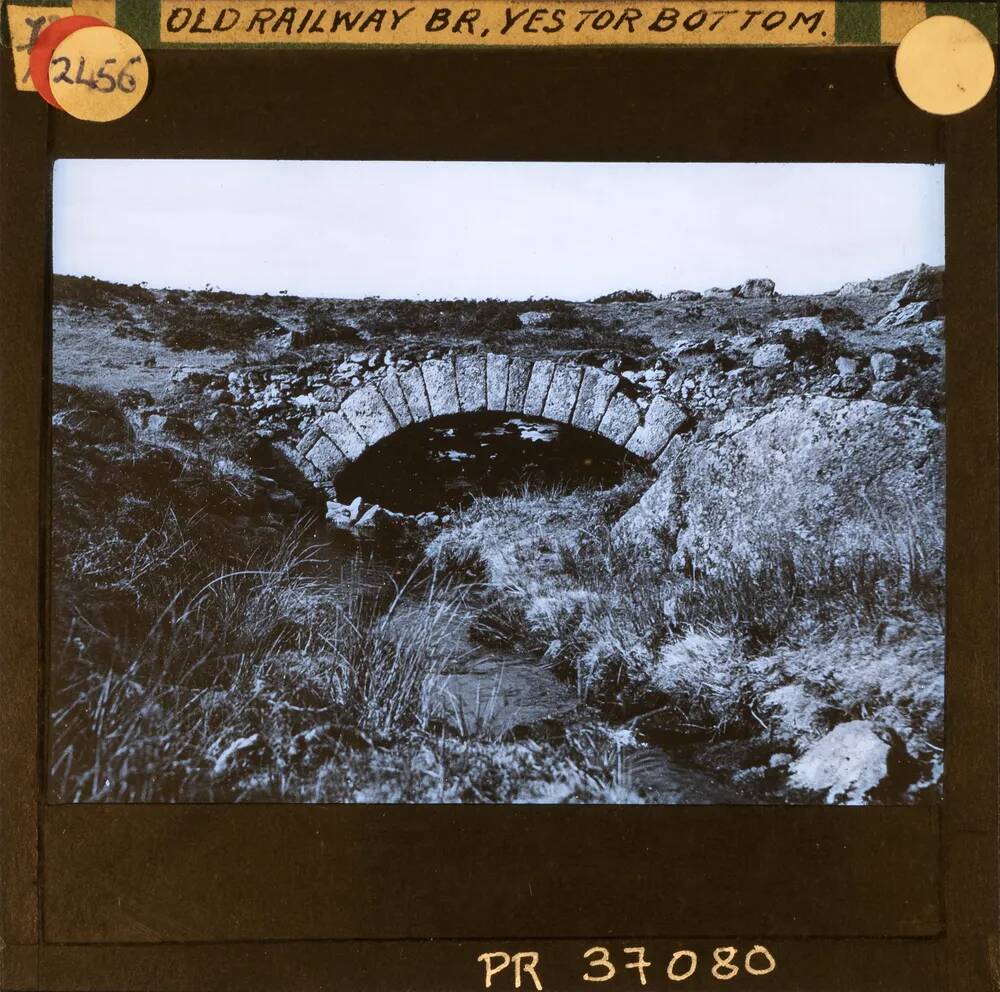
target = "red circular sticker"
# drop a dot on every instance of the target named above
(46, 44)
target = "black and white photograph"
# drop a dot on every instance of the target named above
(496, 482)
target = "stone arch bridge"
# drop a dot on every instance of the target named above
(588, 398)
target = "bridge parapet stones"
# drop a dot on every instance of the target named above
(588, 398)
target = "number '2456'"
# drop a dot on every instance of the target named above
(102, 81)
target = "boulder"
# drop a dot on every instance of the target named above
(534, 318)
(888, 392)
(754, 289)
(884, 366)
(338, 514)
(924, 283)
(864, 288)
(846, 366)
(682, 296)
(846, 764)
(801, 475)
(718, 293)
(378, 516)
(770, 356)
(910, 313)
(798, 328)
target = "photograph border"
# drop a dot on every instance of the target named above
(213, 896)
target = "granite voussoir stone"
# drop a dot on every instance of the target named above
(518, 374)
(596, 389)
(620, 420)
(442, 387)
(391, 391)
(538, 387)
(343, 434)
(470, 376)
(369, 414)
(563, 393)
(497, 367)
(326, 457)
(662, 421)
(411, 381)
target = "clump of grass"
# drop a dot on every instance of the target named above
(388, 667)
(891, 564)
(250, 659)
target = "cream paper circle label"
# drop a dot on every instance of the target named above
(98, 74)
(945, 65)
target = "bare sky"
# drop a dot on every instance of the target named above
(491, 229)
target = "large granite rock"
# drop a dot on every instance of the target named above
(830, 475)
(924, 283)
(770, 356)
(910, 313)
(845, 765)
(754, 289)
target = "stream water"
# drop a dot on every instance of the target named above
(497, 689)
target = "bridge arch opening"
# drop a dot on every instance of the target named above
(444, 462)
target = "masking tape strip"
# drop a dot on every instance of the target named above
(493, 23)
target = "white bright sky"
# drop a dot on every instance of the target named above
(491, 229)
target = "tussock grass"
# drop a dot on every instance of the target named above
(854, 624)
(196, 656)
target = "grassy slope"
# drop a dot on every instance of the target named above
(196, 657)
(764, 659)
(142, 534)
